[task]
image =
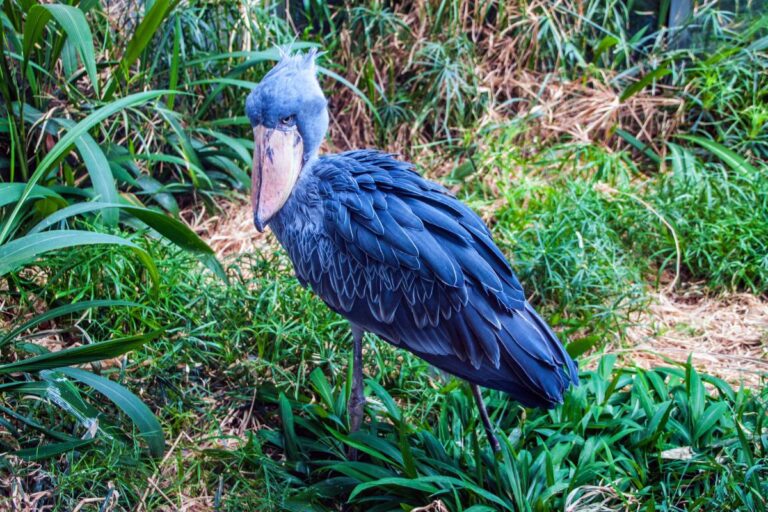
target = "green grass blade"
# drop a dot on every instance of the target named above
(37, 18)
(173, 79)
(235, 82)
(130, 404)
(12, 192)
(66, 309)
(62, 147)
(416, 485)
(80, 355)
(641, 84)
(172, 229)
(146, 31)
(143, 35)
(353, 88)
(73, 21)
(640, 146)
(24, 250)
(51, 450)
(731, 159)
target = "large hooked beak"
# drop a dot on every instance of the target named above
(277, 162)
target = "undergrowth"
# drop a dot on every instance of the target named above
(253, 397)
(608, 160)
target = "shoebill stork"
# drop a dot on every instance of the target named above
(394, 253)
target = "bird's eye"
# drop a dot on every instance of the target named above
(288, 120)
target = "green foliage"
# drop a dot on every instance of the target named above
(110, 126)
(721, 217)
(651, 437)
(669, 437)
(726, 84)
(48, 377)
(571, 257)
(46, 188)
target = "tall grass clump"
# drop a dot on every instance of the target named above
(719, 213)
(69, 131)
(559, 227)
(649, 438)
(236, 355)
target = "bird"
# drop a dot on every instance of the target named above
(394, 253)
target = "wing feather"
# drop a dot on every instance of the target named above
(399, 256)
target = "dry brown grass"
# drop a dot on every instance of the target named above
(726, 335)
(15, 495)
(510, 69)
(588, 110)
(230, 230)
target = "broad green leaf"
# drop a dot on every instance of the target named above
(323, 388)
(73, 21)
(68, 58)
(65, 394)
(386, 399)
(11, 193)
(130, 404)
(67, 309)
(99, 171)
(26, 249)
(79, 355)
(47, 451)
(145, 32)
(142, 36)
(93, 157)
(582, 345)
(605, 44)
(646, 80)
(711, 415)
(289, 431)
(236, 145)
(428, 484)
(415, 484)
(172, 229)
(62, 147)
(37, 18)
(683, 162)
(731, 159)
(657, 423)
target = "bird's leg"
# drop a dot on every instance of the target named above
(356, 404)
(486, 420)
(356, 399)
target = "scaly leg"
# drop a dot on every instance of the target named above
(486, 420)
(356, 404)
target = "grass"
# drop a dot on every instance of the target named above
(252, 402)
(652, 173)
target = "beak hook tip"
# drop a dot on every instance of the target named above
(260, 226)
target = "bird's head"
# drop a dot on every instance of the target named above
(288, 114)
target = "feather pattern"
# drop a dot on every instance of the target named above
(399, 256)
